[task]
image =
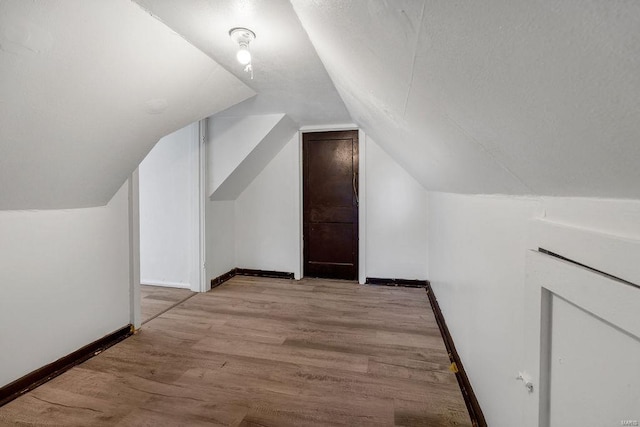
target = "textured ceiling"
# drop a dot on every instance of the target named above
(518, 97)
(87, 87)
(288, 75)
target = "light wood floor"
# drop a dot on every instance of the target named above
(265, 352)
(155, 300)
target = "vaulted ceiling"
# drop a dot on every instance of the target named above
(288, 78)
(518, 97)
(87, 87)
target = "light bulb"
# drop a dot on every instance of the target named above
(243, 55)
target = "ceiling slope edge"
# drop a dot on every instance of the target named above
(256, 161)
(514, 98)
(250, 156)
(287, 74)
(374, 77)
(87, 90)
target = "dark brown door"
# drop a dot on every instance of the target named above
(330, 186)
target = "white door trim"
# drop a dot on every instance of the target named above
(607, 298)
(204, 284)
(362, 217)
(135, 311)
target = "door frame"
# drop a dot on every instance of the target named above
(197, 273)
(362, 195)
(579, 281)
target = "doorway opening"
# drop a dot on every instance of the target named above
(167, 212)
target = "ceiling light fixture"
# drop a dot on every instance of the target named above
(243, 36)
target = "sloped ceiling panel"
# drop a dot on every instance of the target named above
(254, 162)
(87, 87)
(288, 75)
(512, 97)
(231, 140)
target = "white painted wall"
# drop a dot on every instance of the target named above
(611, 216)
(264, 230)
(396, 219)
(168, 205)
(245, 155)
(65, 282)
(220, 239)
(267, 215)
(477, 252)
(477, 262)
(230, 140)
(245, 167)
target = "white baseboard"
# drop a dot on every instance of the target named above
(165, 284)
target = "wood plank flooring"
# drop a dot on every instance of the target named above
(154, 300)
(265, 352)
